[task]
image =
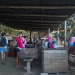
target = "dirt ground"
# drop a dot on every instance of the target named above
(10, 68)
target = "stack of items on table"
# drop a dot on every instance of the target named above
(50, 43)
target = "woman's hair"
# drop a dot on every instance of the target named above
(20, 33)
(24, 36)
(3, 34)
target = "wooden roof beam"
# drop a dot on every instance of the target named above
(39, 7)
(30, 23)
(28, 20)
(33, 26)
(34, 15)
(33, 29)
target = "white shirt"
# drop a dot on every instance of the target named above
(24, 42)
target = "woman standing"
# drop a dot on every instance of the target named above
(3, 46)
(71, 45)
(34, 40)
(20, 45)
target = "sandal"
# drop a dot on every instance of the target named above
(17, 67)
(20, 66)
(3, 63)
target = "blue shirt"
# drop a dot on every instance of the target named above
(34, 39)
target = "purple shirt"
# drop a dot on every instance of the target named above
(72, 40)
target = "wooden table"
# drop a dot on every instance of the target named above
(54, 60)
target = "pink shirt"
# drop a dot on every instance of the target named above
(20, 42)
(72, 40)
(49, 38)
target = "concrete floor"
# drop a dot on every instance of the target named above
(10, 68)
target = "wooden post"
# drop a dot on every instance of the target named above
(30, 37)
(49, 32)
(65, 35)
(58, 36)
(0, 28)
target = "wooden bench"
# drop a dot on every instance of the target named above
(28, 60)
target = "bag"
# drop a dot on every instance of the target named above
(54, 44)
(50, 45)
(3, 42)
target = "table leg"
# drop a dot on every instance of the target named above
(28, 66)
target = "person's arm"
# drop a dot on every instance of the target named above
(70, 40)
(6, 40)
(15, 43)
(23, 40)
